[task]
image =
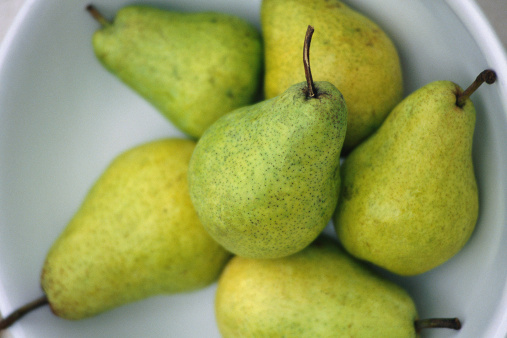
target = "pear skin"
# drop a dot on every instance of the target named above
(135, 235)
(348, 49)
(318, 292)
(263, 178)
(409, 199)
(192, 67)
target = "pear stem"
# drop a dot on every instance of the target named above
(97, 15)
(17, 314)
(306, 61)
(488, 76)
(432, 323)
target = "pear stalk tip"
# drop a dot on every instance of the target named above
(432, 323)
(6, 322)
(488, 76)
(97, 15)
(306, 61)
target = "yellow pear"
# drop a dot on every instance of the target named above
(135, 235)
(318, 292)
(409, 199)
(348, 49)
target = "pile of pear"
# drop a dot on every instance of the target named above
(271, 157)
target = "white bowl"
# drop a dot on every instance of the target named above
(63, 117)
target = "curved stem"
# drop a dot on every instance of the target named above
(17, 314)
(306, 61)
(432, 323)
(97, 15)
(488, 76)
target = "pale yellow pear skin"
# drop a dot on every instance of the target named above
(409, 199)
(348, 49)
(192, 67)
(264, 179)
(318, 292)
(135, 235)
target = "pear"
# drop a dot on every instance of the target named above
(318, 292)
(409, 199)
(193, 67)
(263, 178)
(135, 235)
(349, 50)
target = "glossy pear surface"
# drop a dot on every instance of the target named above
(409, 198)
(264, 179)
(193, 67)
(135, 235)
(348, 49)
(318, 292)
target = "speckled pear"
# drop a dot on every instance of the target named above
(349, 50)
(263, 178)
(318, 292)
(409, 199)
(135, 235)
(192, 67)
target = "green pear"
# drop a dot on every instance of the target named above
(193, 67)
(263, 178)
(409, 199)
(318, 292)
(135, 235)
(349, 50)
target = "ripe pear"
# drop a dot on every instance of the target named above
(263, 178)
(135, 235)
(193, 67)
(349, 50)
(318, 292)
(409, 199)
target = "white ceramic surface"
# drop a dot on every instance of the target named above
(63, 118)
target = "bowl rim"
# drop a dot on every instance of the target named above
(486, 38)
(492, 49)
(13, 29)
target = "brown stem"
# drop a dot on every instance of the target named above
(17, 314)
(488, 76)
(306, 61)
(432, 323)
(97, 15)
